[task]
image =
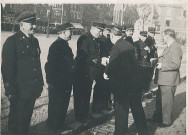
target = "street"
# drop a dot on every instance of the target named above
(177, 128)
(40, 111)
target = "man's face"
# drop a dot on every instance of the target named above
(112, 38)
(151, 34)
(129, 33)
(96, 32)
(28, 27)
(142, 38)
(66, 35)
(106, 32)
(101, 33)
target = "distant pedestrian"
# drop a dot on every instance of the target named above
(167, 77)
(121, 72)
(22, 74)
(59, 76)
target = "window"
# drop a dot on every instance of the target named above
(167, 23)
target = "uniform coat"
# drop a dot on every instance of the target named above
(167, 78)
(87, 68)
(122, 73)
(150, 42)
(21, 66)
(101, 95)
(145, 70)
(59, 75)
(122, 68)
(22, 77)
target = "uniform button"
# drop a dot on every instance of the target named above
(33, 58)
(34, 69)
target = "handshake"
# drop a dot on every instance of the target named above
(105, 60)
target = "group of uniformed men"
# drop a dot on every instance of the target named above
(105, 55)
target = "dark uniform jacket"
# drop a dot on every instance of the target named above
(150, 42)
(88, 60)
(130, 40)
(106, 46)
(122, 69)
(59, 66)
(142, 53)
(21, 66)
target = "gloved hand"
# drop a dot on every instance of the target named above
(147, 49)
(104, 61)
(105, 76)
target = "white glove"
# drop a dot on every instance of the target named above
(159, 65)
(147, 49)
(104, 61)
(105, 76)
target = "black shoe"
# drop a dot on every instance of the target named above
(165, 125)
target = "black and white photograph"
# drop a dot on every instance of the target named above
(93, 67)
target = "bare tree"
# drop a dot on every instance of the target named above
(144, 10)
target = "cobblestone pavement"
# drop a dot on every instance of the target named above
(41, 106)
(179, 115)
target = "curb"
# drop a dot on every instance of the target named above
(103, 118)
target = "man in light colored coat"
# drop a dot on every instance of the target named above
(167, 77)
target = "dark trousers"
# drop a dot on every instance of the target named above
(144, 78)
(20, 115)
(57, 107)
(82, 92)
(122, 111)
(101, 95)
(164, 104)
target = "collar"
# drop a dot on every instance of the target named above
(27, 35)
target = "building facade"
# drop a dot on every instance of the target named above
(125, 14)
(172, 16)
(46, 13)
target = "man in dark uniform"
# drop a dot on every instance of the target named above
(150, 42)
(59, 76)
(121, 72)
(129, 33)
(22, 74)
(129, 29)
(87, 69)
(145, 69)
(104, 103)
